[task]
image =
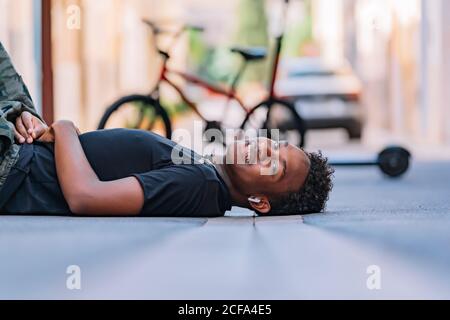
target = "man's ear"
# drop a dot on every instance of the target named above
(260, 204)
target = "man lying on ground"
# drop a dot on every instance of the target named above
(56, 171)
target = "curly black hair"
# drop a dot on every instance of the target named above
(313, 195)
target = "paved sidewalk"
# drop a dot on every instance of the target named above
(401, 226)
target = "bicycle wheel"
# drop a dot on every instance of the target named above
(276, 115)
(137, 112)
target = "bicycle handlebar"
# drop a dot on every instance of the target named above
(195, 28)
(157, 30)
(175, 34)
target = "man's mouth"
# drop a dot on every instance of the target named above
(247, 154)
(251, 152)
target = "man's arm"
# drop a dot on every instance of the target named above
(82, 189)
(14, 98)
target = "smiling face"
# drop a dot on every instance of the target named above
(267, 169)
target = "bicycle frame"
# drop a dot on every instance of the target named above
(229, 94)
(164, 78)
(276, 62)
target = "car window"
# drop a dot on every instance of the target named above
(319, 73)
(299, 74)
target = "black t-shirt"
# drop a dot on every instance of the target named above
(187, 188)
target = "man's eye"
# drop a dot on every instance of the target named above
(275, 167)
(276, 146)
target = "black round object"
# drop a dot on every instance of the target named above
(394, 161)
(146, 107)
(213, 132)
(280, 115)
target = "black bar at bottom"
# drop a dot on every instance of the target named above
(197, 310)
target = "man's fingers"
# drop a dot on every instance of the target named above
(21, 128)
(27, 119)
(23, 131)
(19, 137)
(39, 130)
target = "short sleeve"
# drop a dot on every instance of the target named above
(178, 191)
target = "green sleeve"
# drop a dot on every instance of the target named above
(14, 97)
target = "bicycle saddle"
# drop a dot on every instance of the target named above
(251, 54)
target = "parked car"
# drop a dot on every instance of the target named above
(325, 95)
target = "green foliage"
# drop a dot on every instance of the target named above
(219, 65)
(147, 114)
(252, 31)
(299, 34)
(252, 23)
(174, 108)
(198, 49)
(211, 64)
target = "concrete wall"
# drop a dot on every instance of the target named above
(107, 56)
(329, 28)
(435, 77)
(400, 49)
(18, 35)
(111, 54)
(446, 68)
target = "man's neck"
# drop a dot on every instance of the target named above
(236, 198)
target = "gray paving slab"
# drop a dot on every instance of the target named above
(401, 226)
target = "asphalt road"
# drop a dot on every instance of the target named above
(402, 227)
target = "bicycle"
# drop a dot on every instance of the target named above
(273, 113)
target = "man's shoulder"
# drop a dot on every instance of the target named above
(197, 172)
(201, 181)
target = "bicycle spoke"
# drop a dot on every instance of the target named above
(281, 117)
(137, 112)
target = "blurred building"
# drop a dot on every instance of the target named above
(101, 51)
(400, 48)
(20, 34)
(109, 54)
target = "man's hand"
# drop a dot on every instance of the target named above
(65, 124)
(49, 134)
(29, 128)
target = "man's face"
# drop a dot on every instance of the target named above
(265, 167)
